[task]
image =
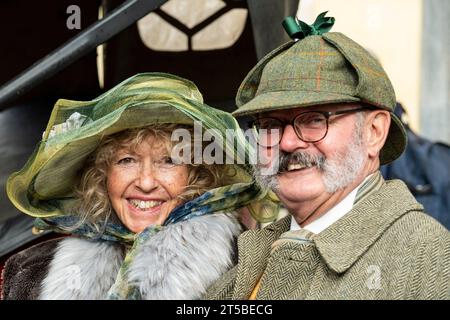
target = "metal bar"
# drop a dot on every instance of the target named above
(98, 33)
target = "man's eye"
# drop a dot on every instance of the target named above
(313, 121)
(126, 160)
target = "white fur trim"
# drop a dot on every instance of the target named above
(180, 262)
(76, 269)
(183, 261)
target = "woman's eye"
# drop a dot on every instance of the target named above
(126, 160)
(166, 160)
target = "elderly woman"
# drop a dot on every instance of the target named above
(145, 221)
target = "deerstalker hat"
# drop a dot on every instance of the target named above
(316, 68)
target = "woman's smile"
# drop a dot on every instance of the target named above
(144, 186)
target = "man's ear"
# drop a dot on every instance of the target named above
(377, 129)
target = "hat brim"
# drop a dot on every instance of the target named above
(396, 141)
(281, 100)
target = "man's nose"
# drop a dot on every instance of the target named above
(146, 179)
(290, 141)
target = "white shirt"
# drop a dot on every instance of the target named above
(333, 215)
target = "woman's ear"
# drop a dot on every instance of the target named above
(377, 129)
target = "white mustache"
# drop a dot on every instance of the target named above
(299, 160)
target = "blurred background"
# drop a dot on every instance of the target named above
(213, 43)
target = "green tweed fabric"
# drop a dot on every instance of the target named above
(318, 70)
(386, 247)
(44, 186)
(374, 182)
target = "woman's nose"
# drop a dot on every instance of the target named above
(146, 180)
(290, 141)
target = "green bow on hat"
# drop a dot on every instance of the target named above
(298, 29)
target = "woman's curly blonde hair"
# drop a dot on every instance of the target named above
(93, 204)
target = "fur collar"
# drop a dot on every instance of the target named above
(179, 262)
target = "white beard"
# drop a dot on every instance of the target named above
(342, 168)
(339, 170)
(179, 262)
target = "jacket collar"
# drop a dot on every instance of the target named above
(344, 242)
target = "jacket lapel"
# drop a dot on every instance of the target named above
(344, 242)
(253, 252)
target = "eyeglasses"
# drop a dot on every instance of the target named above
(310, 126)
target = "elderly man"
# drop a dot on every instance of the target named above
(323, 112)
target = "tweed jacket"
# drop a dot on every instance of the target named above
(386, 247)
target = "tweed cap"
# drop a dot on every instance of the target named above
(321, 69)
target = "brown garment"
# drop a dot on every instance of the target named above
(25, 271)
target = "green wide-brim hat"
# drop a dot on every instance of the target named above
(321, 69)
(43, 188)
